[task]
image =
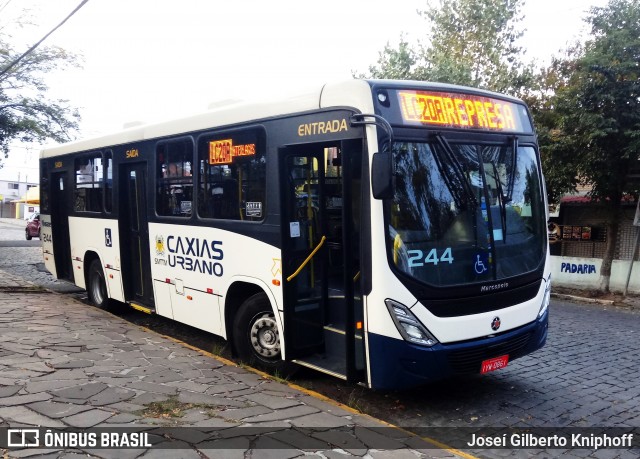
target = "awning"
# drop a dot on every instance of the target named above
(32, 196)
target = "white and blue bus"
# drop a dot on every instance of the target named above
(389, 233)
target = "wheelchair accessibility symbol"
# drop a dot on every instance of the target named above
(481, 264)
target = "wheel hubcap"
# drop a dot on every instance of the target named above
(265, 337)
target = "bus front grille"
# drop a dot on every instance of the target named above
(469, 360)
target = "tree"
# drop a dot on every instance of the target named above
(470, 42)
(26, 115)
(542, 100)
(593, 136)
(474, 42)
(396, 64)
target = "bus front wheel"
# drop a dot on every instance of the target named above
(97, 287)
(256, 336)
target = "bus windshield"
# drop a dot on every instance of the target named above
(466, 213)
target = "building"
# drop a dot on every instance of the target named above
(11, 192)
(578, 238)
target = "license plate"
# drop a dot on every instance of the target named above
(494, 364)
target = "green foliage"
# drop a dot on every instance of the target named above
(470, 42)
(542, 100)
(474, 42)
(590, 122)
(26, 114)
(396, 64)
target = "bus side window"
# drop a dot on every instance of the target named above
(232, 179)
(89, 184)
(107, 166)
(174, 195)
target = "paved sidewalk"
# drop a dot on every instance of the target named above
(14, 222)
(66, 364)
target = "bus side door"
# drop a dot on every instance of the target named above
(134, 231)
(321, 195)
(61, 201)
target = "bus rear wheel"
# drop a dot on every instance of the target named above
(97, 287)
(256, 337)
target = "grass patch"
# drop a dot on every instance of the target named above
(356, 400)
(167, 409)
(172, 408)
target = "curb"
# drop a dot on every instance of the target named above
(563, 296)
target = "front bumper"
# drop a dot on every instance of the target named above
(397, 364)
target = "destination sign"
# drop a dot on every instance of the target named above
(223, 151)
(465, 111)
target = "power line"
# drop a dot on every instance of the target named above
(5, 5)
(30, 50)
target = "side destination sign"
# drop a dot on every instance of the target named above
(462, 111)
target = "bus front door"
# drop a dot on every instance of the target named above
(134, 233)
(323, 313)
(61, 199)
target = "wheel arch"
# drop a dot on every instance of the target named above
(240, 290)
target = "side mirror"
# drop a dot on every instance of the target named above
(382, 176)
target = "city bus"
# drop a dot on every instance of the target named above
(388, 233)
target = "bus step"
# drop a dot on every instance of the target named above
(340, 330)
(141, 308)
(334, 368)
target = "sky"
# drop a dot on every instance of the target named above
(150, 60)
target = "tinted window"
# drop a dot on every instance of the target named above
(108, 176)
(232, 179)
(44, 187)
(89, 187)
(174, 178)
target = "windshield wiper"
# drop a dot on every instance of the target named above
(489, 217)
(457, 168)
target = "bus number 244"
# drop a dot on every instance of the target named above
(417, 258)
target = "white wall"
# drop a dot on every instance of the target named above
(584, 273)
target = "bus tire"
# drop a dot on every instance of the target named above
(97, 287)
(256, 338)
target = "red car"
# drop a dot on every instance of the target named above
(33, 227)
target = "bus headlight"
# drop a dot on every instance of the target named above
(546, 299)
(408, 325)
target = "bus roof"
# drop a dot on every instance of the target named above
(351, 93)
